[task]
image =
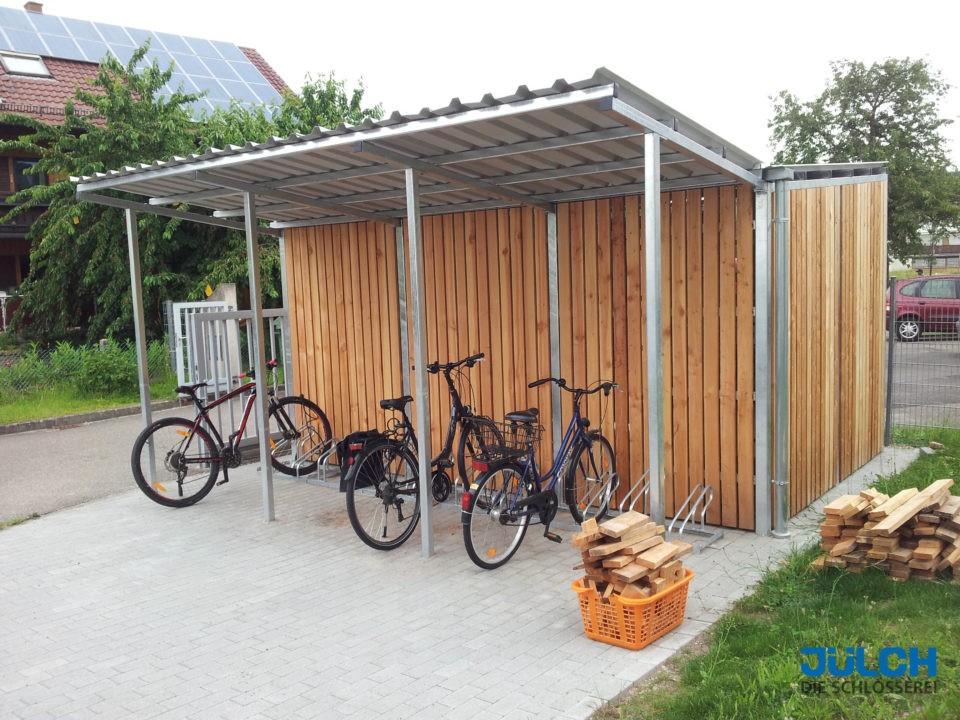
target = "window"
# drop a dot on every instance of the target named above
(910, 289)
(24, 179)
(942, 288)
(20, 64)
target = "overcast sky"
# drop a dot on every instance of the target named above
(717, 63)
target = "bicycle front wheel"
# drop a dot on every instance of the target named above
(491, 533)
(174, 463)
(591, 479)
(299, 436)
(383, 495)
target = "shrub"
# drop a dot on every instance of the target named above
(108, 370)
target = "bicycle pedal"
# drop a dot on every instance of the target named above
(552, 536)
(221, 482)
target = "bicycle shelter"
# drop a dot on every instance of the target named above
(548, 186)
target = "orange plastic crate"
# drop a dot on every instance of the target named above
(632, 623)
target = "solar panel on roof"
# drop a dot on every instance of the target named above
(217, 66)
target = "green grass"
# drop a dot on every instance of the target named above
(60, 401)
(750, 668)
(10, 523)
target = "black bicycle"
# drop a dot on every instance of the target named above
(176, 461)
(383, 482)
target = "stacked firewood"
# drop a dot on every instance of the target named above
(915, 533)
(628, 555)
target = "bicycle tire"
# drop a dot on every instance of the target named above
(587, 485)
(381, 480)
(470, 443)
(297, 446)
(178, 448)
(489, 538)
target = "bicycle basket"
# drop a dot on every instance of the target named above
(505, 440)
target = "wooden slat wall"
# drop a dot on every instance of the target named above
(837, 239)
(344, 320)
(707, 308)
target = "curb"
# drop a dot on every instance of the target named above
(81, 418)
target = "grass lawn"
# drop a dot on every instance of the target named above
(56, 402)
(749, 667)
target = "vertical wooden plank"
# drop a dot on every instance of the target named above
(457, 339)
(337, 281)
(369, 346)
(486, 369)
(695, 359)
(543, 400)
(591, 371)
(620, 349)
(745, 347)
(711, 348)
(729, 502)
(510, 379)
(605, 301)
(666, 311)
(565, 291)
(496, 338)
(636, 350)
(516, 327)
(530, 326)
(577, 372)
(679, 426)
(355, 319)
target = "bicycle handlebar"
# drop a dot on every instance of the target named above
(436, 367)
(271, 365)
(562, 384)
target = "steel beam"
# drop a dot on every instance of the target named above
(781, 482)
(762, 356)
(651, 206)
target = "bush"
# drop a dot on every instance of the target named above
(108, 370)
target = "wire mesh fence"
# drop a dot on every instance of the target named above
(924, 356)
(105, 368)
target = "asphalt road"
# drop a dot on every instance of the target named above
(46, 470)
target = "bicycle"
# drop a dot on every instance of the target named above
(384, 475)
(176, 461)
(510, 491)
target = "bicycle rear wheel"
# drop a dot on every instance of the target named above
(299, 436)
(174, 463)
(471, 441)
(490, 535)
(383, 495)
(590, 481)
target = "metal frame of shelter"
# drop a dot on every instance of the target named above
(594, 138)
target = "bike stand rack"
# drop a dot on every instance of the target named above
(697, 501)
(639, 491)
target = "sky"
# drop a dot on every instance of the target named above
(720, 64)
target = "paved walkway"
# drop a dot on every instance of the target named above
(123, 608)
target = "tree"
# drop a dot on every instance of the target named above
(888, 112)
(78, 276)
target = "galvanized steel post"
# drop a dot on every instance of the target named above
(651, 206)
(763, 271)
(422, 394)
(256, 306)
(781, 482)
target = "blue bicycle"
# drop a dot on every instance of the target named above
(510, 492)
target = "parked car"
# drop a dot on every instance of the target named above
(926, 304)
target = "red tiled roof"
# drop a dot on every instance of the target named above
(264, 67)
(44, 98)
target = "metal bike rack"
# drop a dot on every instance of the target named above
(639, 491)
(696, 503)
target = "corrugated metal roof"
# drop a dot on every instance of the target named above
(570, 141)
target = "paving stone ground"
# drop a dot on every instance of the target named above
(122, 608)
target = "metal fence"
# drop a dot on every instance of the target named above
(923, 382)
(106, 367)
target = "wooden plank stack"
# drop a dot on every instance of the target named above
(915, 533)
(628, 555)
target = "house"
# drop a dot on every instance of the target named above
(44, 57)
(584, 230)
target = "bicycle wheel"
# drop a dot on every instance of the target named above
(383, 495)
(173, 463)
(591, 479)
(470, 442)
(490, 535)
(299, 435)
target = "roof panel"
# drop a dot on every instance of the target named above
(568, 141)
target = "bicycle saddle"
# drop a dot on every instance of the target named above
(528, 416)
(188, 389)
(396, 403)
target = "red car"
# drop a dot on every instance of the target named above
(926, 304)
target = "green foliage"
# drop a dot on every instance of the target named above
(107, 370)
(887, 112)
(79, 278)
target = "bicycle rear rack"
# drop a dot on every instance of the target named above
(696, 503)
